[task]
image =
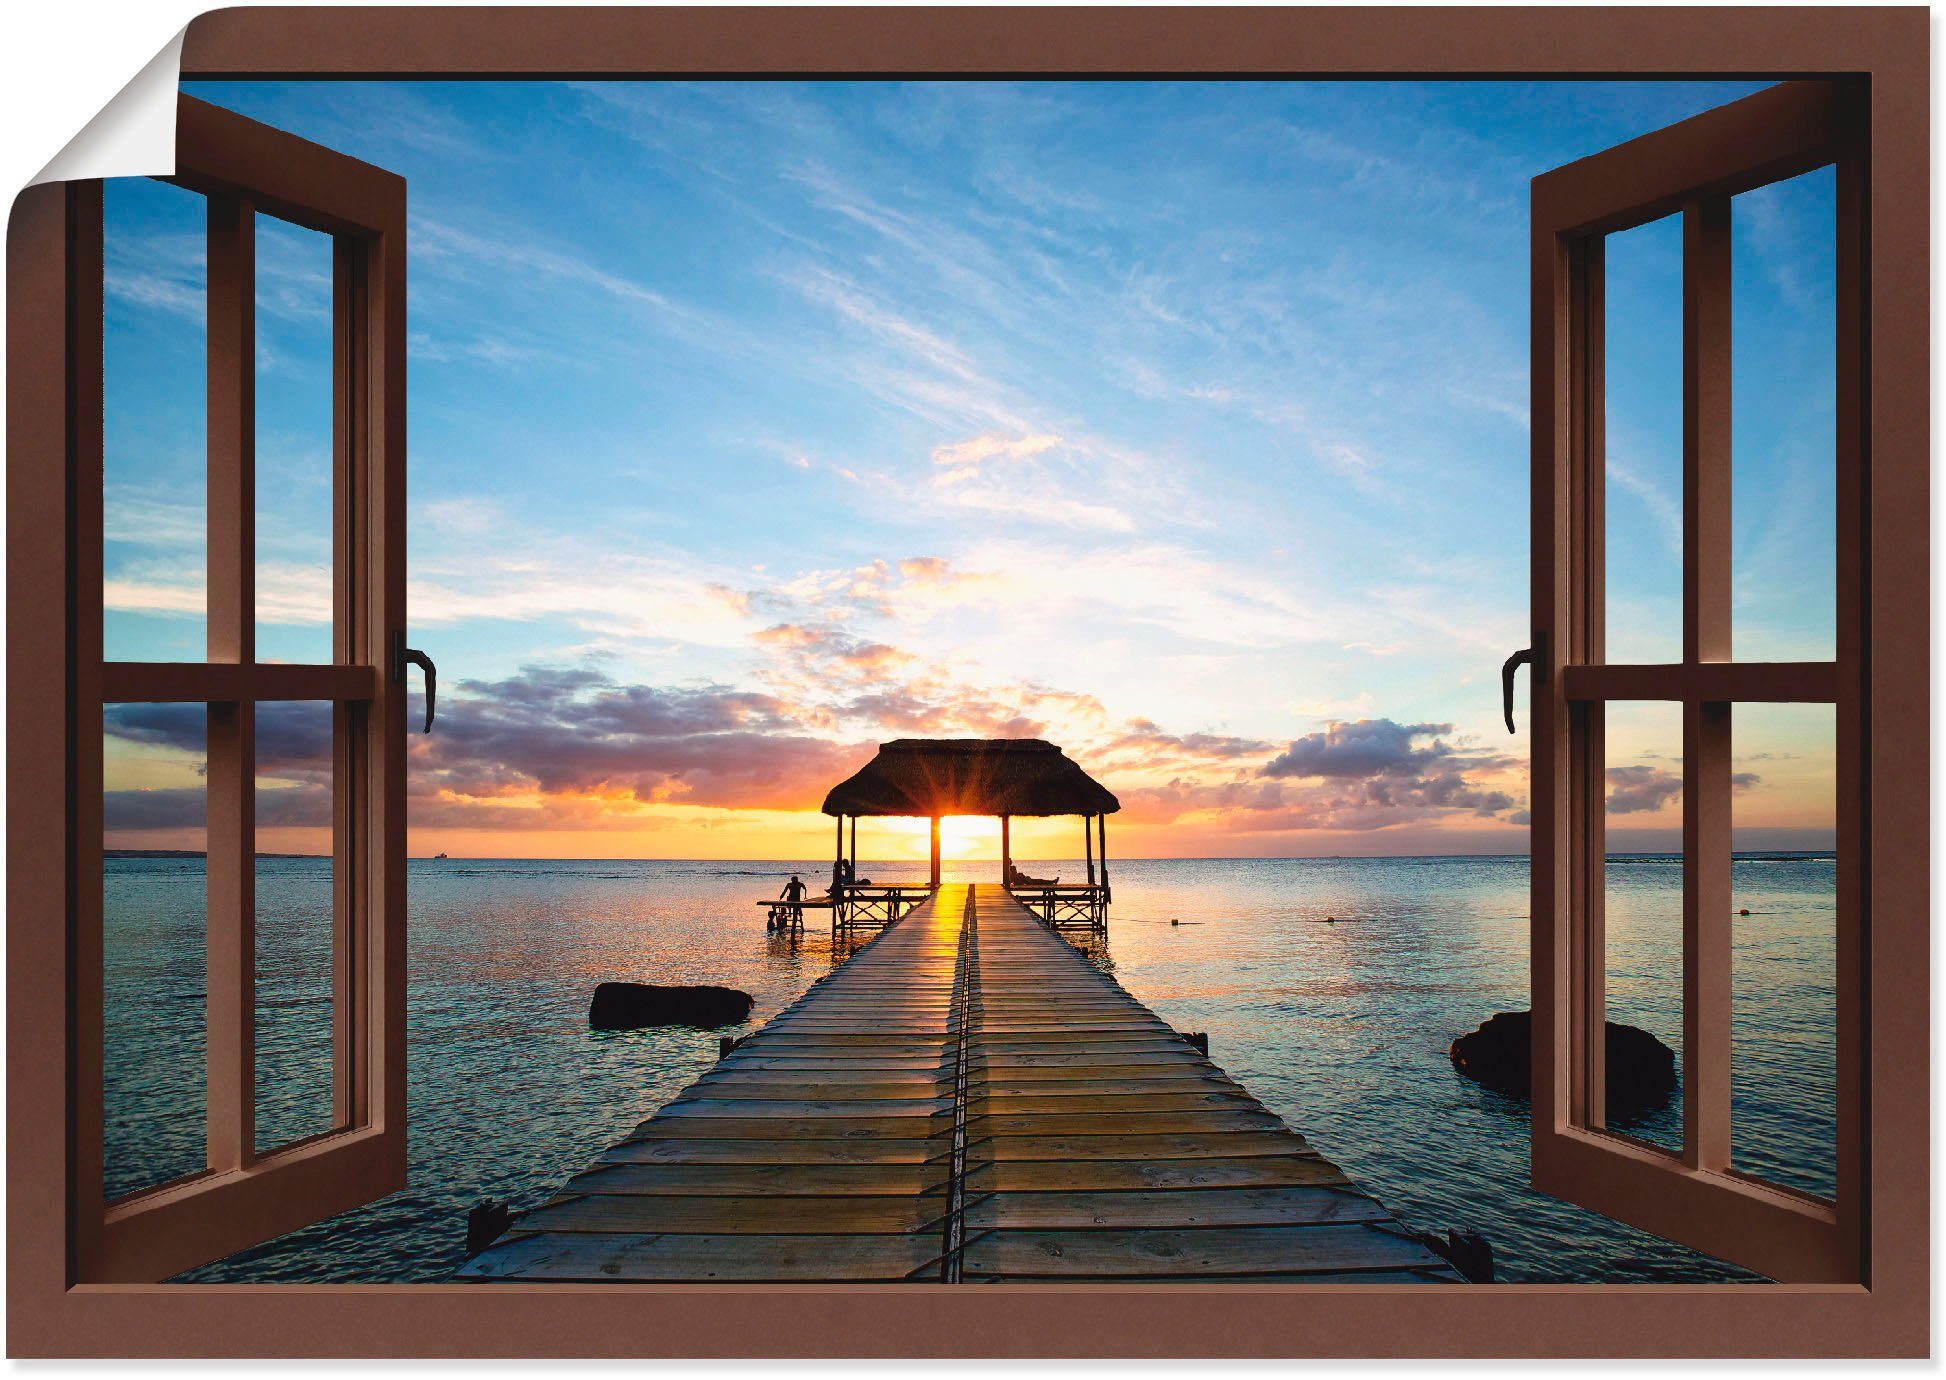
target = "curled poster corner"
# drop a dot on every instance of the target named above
(134, 135)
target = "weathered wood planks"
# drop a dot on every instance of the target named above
(1093, 1142)
(1104, 1147)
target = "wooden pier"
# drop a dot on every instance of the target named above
(966, 1099)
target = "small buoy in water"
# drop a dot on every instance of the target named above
(1743, 912)
(1330, 919)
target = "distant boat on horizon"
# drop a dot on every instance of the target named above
(437, 856)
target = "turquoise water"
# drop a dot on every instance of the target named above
(1341, 1026)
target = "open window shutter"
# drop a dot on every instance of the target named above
(247, 1194)
(1693, 1196)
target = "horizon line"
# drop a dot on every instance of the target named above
(1218, 857)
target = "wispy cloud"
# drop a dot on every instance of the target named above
(1663, 508)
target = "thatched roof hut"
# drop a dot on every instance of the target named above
(939, 777)
(970, 776)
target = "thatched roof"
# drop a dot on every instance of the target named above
(970, 776)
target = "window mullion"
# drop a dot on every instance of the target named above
(231, 844)
(231, 936)
(1588, 944)
(1706, 724)
(1706, 934)
(1706, 430)
(347, 323)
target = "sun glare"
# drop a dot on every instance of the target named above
(960, 838)
(969, 837)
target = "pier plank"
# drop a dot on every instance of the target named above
(786, 1128)
(1262, 1171)
(841, 1214)
(1176, 1252)
(872, 1108)
(1008, 1105)
(1171, 1207)
(772, 1180)
(1162, 1084)
(741, 1091)
(784, 1152)
(668, 1258)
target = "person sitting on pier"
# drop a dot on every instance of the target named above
(1015, 877)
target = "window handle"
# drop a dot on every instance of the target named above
(403, 656)
(1524, 656)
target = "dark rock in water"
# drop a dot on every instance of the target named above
(627, 1005)
(1466, 1251)
(1641, 1069)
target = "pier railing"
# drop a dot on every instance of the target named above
(876, 904)
(1067, 906)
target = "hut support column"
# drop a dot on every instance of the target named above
(854, 848)
(838, 871)
(1100, 908)
(935, 852)
(1088, 843)
(1006, 850)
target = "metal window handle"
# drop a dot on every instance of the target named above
(1524, 656)
(403, 656)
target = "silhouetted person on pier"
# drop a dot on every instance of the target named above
(790, 904)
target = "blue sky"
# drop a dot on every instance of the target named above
(1182, 423)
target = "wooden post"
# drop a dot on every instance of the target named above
(854, 848)
(935, 852)
(1006, 850)
(838, 864)
(1101, 822)
(1088, 843)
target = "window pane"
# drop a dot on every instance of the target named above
(1642, 380)
(1784, 399)
(295, 922)
(1784, 1004)
(154, 916)
(1642, 894)
(154, 338)
(294, 440)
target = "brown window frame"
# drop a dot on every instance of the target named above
(240, 168)
(1691, 169)
(1887, 47)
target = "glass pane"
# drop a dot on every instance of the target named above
(1784, 1002)
(1784, 381)
(294, 438)
(295, 922)
(1642, 894)
(154, 914)
(154, 338)
(1642, 379)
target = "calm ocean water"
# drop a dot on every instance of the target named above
(1342, 1027)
